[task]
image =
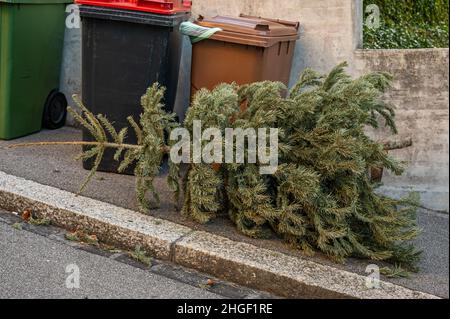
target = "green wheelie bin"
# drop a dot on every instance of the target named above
(31, 43)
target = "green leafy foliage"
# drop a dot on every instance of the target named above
(39, 221)
(17, 226)
(394, 272)
(141, 256)
(409, 24)
(82, 237)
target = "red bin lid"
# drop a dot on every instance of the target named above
(153, 6)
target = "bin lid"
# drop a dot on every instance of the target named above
(251, 30)
(153, 6)
(36, 1)
(132, 16)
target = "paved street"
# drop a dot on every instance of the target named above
(33, 264)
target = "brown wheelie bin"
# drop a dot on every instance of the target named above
(248, 49)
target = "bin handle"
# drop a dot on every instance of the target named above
(296, 25)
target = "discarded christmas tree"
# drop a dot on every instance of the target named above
(321, 198)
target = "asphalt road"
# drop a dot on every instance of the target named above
(37, 262)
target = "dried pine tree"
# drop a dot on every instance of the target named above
(320, 199)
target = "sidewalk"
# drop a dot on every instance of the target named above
(55, 166)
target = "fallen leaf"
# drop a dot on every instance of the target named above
(91, 239)
(210, 282)
(26, 215)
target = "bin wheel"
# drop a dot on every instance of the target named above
(55, 111)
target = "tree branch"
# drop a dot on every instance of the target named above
(397, 144)
(106, 145)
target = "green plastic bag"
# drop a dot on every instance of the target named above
(197, 33)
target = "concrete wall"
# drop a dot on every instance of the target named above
(70, 82)
(331, 33)
(420, 94)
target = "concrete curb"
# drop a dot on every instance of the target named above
(238, 262)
